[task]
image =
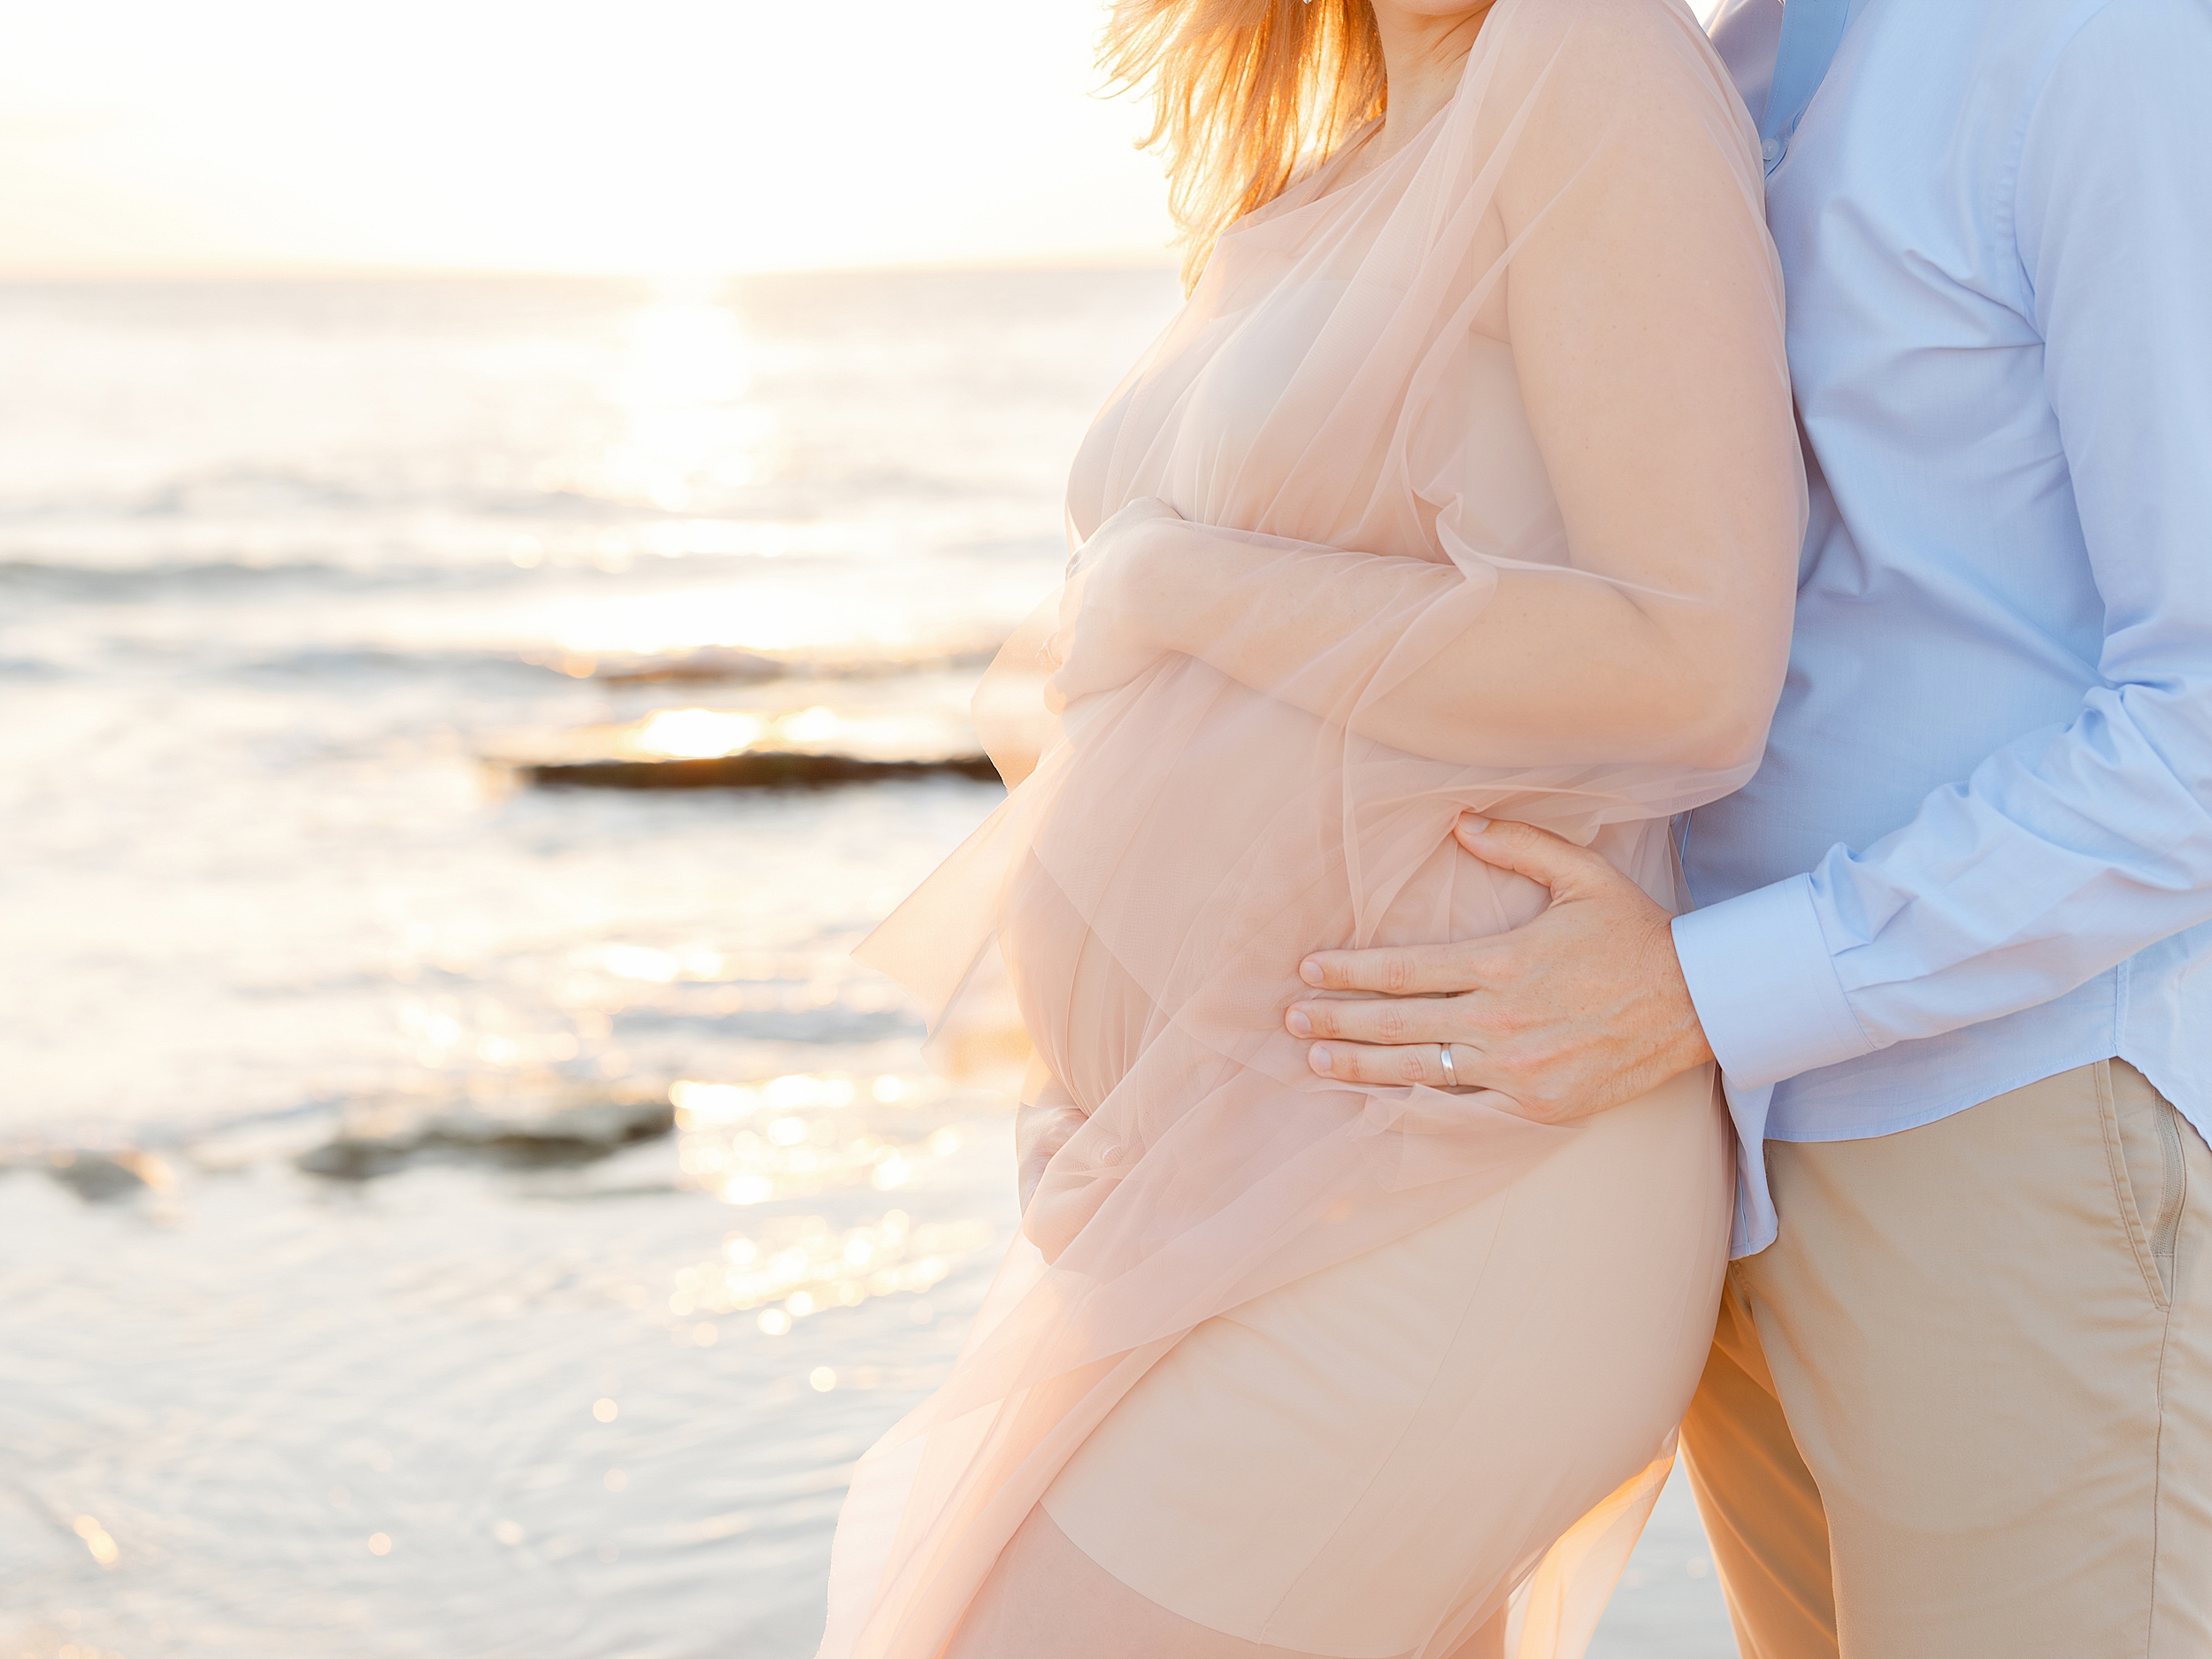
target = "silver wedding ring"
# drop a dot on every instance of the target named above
(1444, 1054)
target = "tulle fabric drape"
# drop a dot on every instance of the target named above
(1340, 389)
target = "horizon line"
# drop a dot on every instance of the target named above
(301, 270)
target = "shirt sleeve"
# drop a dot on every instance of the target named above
(2072, 848)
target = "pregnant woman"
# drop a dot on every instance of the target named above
(1465, 482)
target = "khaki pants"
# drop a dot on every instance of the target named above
(1963, 1408)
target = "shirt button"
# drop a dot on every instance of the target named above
(1771, 150)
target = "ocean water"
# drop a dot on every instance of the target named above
(444, 1216)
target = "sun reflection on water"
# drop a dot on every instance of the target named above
(927, 732)
(661, 967)
(689, 436)
(816, 725)
(766, 614)
(794, 1136)
(795, 1268)
(694, 733)
(98, 1541)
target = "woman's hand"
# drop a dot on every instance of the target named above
(1115, 603)
(1040, 1131)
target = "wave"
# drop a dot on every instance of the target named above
(97, 582)
(407, 489)
(260, 493)
(676, 670)
(379, 662)
(172, 577)
(109, 574)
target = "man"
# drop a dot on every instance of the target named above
(1952, 952)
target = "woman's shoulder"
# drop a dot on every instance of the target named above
(1652, 40)
(1627, 23)
(1609, 62)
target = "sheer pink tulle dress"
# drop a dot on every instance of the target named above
(1282, 1365)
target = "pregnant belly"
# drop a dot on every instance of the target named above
(1133, 898)
(1195, 849)
(1191, 842)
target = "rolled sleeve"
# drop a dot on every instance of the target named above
(1764, 984)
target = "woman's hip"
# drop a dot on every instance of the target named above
(1364, 1439)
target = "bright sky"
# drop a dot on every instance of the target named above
(144, 136)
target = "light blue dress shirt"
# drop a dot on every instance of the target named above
(1978, 851)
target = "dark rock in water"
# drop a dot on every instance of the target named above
(345, 1160)
(579, 1133)
(903, 730)
(755, 770)
(101, 1177)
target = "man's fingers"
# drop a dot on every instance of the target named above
(1381, 1020)
(1547, 859)
(1387, 1065)
(1395, 970)
(1373, 1064)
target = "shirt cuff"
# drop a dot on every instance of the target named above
(1765, 985)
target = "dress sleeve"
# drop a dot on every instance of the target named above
(1644, 308)
(1626, 263)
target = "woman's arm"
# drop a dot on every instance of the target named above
(1644, 310)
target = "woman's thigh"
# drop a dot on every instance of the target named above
(1334, 1467)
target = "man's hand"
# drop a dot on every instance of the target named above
(1583, 1009)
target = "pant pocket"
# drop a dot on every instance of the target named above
(2167, 1227)
(2150, 1175)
